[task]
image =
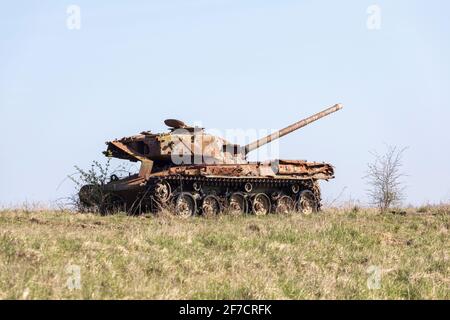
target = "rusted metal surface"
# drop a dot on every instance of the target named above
(188, 164)
(292, 169)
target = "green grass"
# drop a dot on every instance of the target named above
(325, 256)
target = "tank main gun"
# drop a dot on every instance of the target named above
(300, 124)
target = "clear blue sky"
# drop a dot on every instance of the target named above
(229, 64)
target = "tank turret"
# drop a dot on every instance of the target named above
(191, 145)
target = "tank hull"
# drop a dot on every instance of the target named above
(261, 188)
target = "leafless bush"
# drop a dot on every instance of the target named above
(384, 177)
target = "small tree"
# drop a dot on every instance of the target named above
(384, 177)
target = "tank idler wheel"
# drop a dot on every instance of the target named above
(185, 205)
(307, 203)
(285, 205)
(237, 204)
(211, 206)
(163, 191)
(90, 196)
(261, 204)
(111, 204)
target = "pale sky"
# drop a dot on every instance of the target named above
(227, 64)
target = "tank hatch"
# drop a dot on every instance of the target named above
(175, 124)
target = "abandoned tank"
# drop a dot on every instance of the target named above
(192, 172)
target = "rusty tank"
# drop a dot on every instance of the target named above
(192, 172)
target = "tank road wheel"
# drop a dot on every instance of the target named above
(211, 206)
(307, 203)
(163, 191)
(261, 204)
(185, 205)
(237, 204)
(284, 205)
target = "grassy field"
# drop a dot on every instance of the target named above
(337, 254)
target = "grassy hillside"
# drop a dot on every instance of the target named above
(335, 254)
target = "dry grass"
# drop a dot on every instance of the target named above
(325, 256)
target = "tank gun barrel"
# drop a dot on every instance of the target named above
(300, 124)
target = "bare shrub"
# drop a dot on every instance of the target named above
(384, 177)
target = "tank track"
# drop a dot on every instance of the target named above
(192, 195)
